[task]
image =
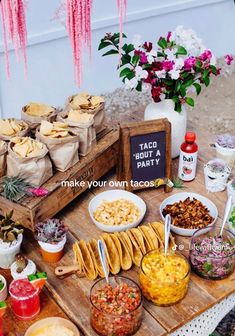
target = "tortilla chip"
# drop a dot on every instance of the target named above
(79, 101)
(124, 255)
(38, 110)
(88, 264)
(111, 253)
(82, 117)
(54, 130)
(93, 248)
(10, 127)
(96, 101)
(26, 147)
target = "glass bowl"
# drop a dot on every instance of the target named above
(212, 256)
(164, 279)
(108, 321)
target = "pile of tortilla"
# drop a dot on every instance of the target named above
(11, 126)
(54, 129)
(38, 110)
(79, 116)
(27, 147)
(123, 249)
(84, 101)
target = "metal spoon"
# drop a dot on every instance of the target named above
(226, 213)
(167, 232)
(101, 250)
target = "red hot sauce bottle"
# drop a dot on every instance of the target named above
(188, 158)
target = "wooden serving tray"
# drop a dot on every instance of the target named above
(98, 162)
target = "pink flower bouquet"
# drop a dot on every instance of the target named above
(171, 68)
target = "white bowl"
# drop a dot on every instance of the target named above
(181, 197)
(52, 321)
(113, 195)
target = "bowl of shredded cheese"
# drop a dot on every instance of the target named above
(116, 210)
(53, 326)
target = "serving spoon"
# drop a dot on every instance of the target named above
(226, 213)
(101, 251)
(167, 232)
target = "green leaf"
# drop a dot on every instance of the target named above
(168, 82)
(139, 86)
(213, 69)
(160, 54)
(126, 59)
(162, 43)
(111, 52)
(104, 44)
(128, 48)
(146, 66)
(198, 64)
(178, 107)
(177, 86)
(197, 87)
(175, 99)
(189, 101)
(124, 72)
(130, 75)
(205, 73)
(207, 266)
(207, 81)
(188, 83)
(135, 59)
(184, 74)
(181, 51)
(183, 91)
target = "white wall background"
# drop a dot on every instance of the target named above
(50, 76)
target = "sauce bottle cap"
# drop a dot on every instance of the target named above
(190, 137)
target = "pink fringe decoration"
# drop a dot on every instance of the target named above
(122, 4)
(14, 24)
(78, 15)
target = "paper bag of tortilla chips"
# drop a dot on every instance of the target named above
(28, 159)
(11, 127)
(3, 155)
(61, 142)
(81, 124)
(34, 113)
(89, 104)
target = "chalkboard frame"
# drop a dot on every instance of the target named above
(126, 131)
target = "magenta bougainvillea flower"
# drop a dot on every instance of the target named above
(228, 59)
(189, 63)
(14, 28)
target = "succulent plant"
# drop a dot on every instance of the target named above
(226, 141)
(51, 231)
(217, 166)
(14, 188)
(21, 262)
(9, 229)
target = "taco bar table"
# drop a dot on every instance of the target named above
(71, 293)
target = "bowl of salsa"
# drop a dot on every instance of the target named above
(117, 307)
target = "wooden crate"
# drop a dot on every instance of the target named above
(92, 167)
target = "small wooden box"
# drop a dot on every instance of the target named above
(92, 167)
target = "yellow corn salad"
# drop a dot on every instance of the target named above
(164, 279)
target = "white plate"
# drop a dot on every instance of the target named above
(113, 195)
(181, 197)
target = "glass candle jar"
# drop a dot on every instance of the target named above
(213, 256)
(164, 279)
(116, 309)
(25, 299)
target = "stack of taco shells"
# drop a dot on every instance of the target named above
(122, 249)
(34, 113)
(28, 159)
(91, 104)
(3, 155)
(61, 142)
(81, 124)
(11, 127)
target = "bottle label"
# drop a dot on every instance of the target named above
(187, 166)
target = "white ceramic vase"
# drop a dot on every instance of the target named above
(165, 109)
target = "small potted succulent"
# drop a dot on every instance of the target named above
(11, 236)
(216, 173)
(22, 267)
(51, 236)
(3, 288)
(225, 148)
(231, 189)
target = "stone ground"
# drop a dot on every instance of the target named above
(214, 109)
